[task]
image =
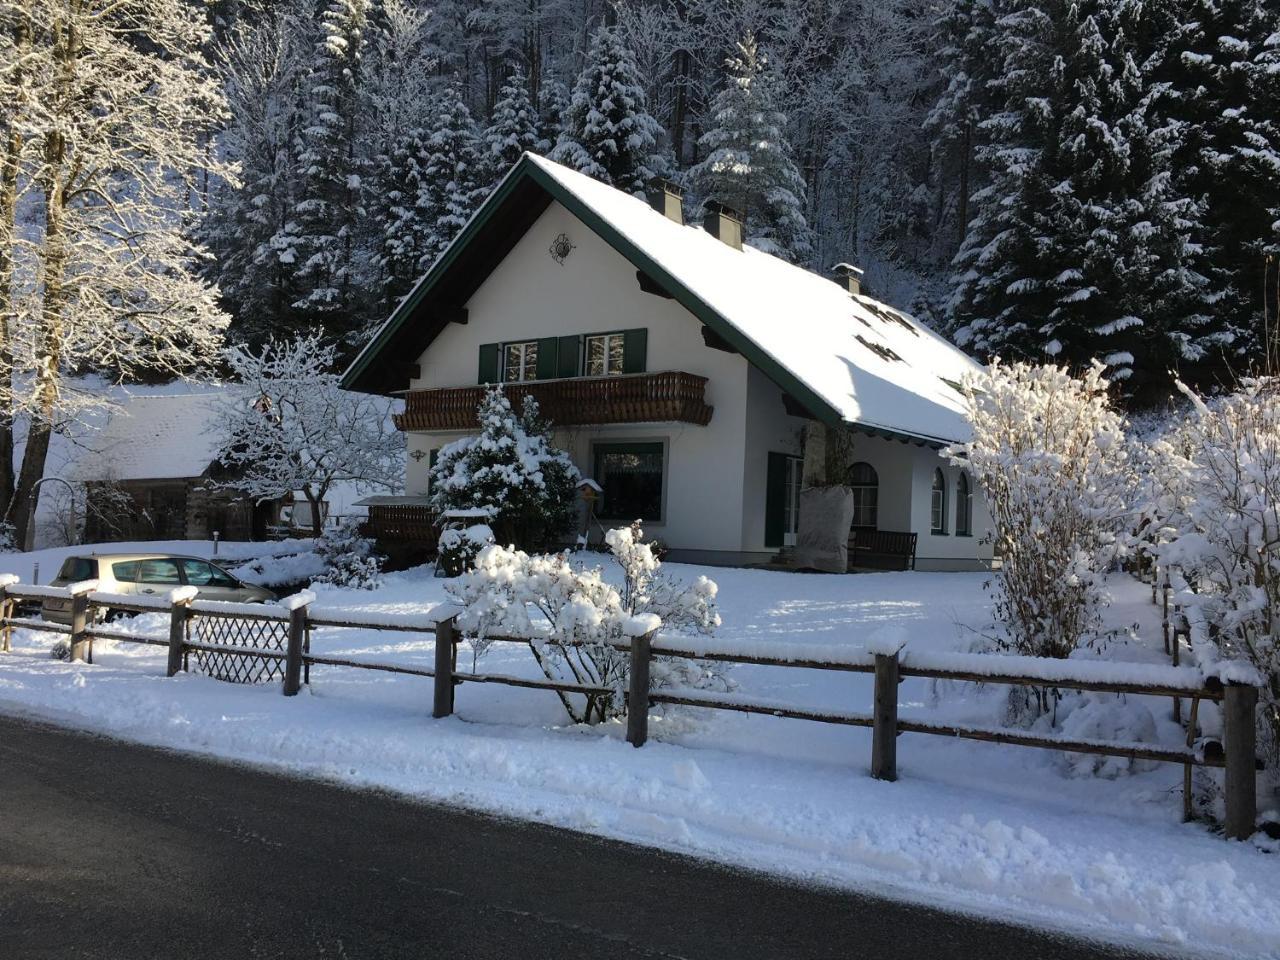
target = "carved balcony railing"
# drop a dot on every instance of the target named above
(630, 398)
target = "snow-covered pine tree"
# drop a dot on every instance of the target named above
(1080, 246)
(320, 239)
(748, 163)
(452, 188)
(260, 64)
(407, 235)
(608, 132)
(513, 130)
(510, 469)
(554, 105)
(1222, 69)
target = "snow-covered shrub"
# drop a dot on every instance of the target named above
(1104, 716)
(1221, 514)
(348, 557)
(575, 617)
(1048, 451)
(8, 539)
(459, 548)
(512, 470)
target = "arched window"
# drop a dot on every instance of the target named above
(938, 514)
(866, 495)
(964, 506)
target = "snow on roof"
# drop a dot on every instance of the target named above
(152, 438)
(872, 364)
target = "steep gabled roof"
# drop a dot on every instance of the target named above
(845, 359)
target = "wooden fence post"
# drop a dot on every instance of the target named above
(6, 611)
(446, 631)
(638, 690)
(293, 652)
(884, 730)
(78, 642)
(178, 614)
(1239, 702)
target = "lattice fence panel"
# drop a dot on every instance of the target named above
(250, 634)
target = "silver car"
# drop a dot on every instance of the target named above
(149, 574)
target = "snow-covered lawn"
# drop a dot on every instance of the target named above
(995, 829)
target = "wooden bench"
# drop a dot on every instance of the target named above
(882, 549)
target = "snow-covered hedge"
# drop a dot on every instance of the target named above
(574, 616)
(1219, 517)
(1048, 451)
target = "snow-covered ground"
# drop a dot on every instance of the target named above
(1000, 830)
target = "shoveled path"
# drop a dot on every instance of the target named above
(112, 850)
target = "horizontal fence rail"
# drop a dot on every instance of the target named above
(1236, 752)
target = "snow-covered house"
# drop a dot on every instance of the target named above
(680, 368)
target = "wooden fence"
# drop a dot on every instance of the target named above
(1236, 752)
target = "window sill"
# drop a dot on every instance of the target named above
(938, 533)
(970, 535)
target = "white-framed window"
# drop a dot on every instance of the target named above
(964, 506)
(604, 355)
(520, 361)
(938, 511)
(865, 483)
(791, 506)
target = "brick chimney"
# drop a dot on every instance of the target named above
(849, 275)
(723, 223)
(668, 199)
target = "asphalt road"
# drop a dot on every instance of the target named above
(111, 850)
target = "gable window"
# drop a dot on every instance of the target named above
(964, 506)
(520, 361)
(605, 355)
(938, 508)
(865, 483)
(631, 474)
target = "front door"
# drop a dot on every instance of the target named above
(782, 500)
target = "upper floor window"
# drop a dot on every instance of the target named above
(606, 354)
(520, 361)
(938, 511)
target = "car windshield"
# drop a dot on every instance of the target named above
(76, 569)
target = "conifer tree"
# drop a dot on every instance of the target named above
(748, 163)
(1080, 245)
(406, 234)
(608, 132)
(320, 241)
(451, 187)
(513, 130)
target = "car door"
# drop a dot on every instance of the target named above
(212, 582)
(158, 575)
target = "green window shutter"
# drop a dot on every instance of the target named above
(488, 363)
(548, 365)
(635, 344)
(775, 500)
(566, 357)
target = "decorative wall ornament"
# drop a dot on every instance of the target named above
(418, 455)
(560, 248)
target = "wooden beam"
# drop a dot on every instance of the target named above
(452, 314)
(715, 341)
(650, 285)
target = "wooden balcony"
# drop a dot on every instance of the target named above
(631, 398)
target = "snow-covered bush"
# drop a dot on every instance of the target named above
(512, 470)
(349, 560)
(459, 548)
(574, 617)
(1104, 716)
(1221, 515)
(1048, 451)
